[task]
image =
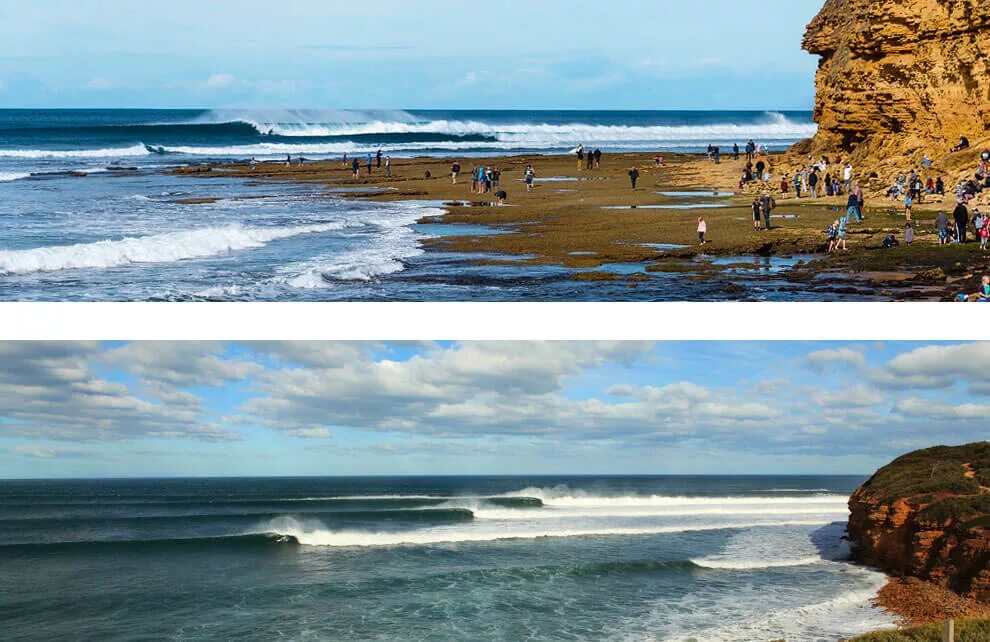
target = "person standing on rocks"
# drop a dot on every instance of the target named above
(455, 169)
(757, 211)
(813, 183)
(847, 177)
(702, 228)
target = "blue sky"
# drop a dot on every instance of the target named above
(81, 409)
(638, 54)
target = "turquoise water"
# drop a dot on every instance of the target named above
(441, 558)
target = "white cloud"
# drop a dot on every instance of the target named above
(938, 367)
(821, 360)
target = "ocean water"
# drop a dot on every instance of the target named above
(432, 558)
(89, 210)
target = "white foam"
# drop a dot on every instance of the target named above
(384, 253)
(7, 177)
(159, 248)
(118, 152)
(315, 534)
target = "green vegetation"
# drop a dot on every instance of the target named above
(933, 471)
(967, 630)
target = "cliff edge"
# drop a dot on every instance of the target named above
(927, 515)
(899, 79)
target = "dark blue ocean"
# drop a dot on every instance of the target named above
(432, 558)
(90, 212)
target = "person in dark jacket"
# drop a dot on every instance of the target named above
(961, 218)
(633, 176)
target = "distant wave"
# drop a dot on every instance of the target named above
(158, 248)
(317, 535)
(746, 565)
(317, 123)
(116, 152)
(6, 177)
(567, 497)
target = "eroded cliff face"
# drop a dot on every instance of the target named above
(927, 515)
(900, 78)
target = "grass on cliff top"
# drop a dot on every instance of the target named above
(971, 630)
(934, 470)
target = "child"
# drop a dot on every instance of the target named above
(908, 234)
(984, 233)
(832, 231)
(702, 228)
(907, 207)
(842, 234)
(756, 214)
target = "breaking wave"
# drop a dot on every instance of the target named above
(158, 248)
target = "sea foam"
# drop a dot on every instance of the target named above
(159, 248)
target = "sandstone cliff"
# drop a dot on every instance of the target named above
(927, 515)
(900, 78)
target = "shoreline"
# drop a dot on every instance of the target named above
(589, 218)
(915, 602)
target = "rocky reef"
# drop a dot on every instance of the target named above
(927, 515)
(899, 79)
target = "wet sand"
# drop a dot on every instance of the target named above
(589, 218)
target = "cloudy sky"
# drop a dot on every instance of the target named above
(638, 54)
(185, 408)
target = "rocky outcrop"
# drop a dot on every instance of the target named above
(927, 515)
(900, 78)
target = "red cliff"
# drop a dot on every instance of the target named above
(927, 515)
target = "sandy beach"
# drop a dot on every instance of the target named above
(587, 218)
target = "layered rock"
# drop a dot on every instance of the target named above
(900, 78)
(927, 515)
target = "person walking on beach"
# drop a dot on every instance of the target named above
(960, 216)
(591, 161)
(378, 158)
(842, 234)
(455, 169)
(633, 176)
(579, 152)
(756, 214)
(598, 158)
(735, 151)
(355, 168)
(797, 185)
(702, 228)
(528, 176)
(750, 150)
(388, 166)
(718, 155)
(369, 164)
